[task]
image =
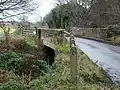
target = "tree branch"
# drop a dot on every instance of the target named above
(17, 14)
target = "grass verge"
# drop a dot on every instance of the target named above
(114, 40)
(57, 77)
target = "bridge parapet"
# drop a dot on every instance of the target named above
(47, 35)
(90, 32)
(100, 33)
(55, 36)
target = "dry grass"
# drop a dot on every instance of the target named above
(114, 40)
(3, 76)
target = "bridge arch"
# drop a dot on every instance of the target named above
(49, 54)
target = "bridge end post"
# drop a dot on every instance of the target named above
(61, 37)
(39, 42)
(73, 61)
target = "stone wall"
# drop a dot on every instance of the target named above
(55, 36)
(90, 32)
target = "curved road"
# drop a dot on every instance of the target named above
(104, 55)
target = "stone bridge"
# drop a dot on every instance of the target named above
(53, 37)
(47, 41)
(100, 33)
(49, 37)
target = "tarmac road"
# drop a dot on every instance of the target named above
(104, 55)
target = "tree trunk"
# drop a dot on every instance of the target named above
(7, 38)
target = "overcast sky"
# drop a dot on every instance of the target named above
(45, 7)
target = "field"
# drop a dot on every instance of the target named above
(11, 31)
(2, 32)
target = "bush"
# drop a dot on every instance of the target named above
(43, 66)
(3, 76)
(20, 64)
(113, 30)
(113, 27)
(10, 61)
(13, 82)
(35, 67)
(114, 40)
(12, 85)
(65, 48)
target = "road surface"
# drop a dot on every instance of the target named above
(104, 55)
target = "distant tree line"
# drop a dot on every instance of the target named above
(84, 13)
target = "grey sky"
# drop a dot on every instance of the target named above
(45, 7)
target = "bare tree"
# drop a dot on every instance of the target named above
(60, 2)
(9, 8)
(12, 8)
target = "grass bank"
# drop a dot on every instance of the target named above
(13, 66)
(90, 76)
(115, 40)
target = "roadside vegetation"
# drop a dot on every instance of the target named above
(113, 34)
(115, 40)
(21, 66)
(21, 69)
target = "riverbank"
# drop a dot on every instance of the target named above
(22, 71)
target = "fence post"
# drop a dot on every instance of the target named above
(73, 61)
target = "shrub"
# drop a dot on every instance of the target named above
(19, 43)
(20, 64)
(10, 61)
(12, 85)
(43, 66)
(3, 76)
(13, 82)
(65, 48)
(113, 27)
